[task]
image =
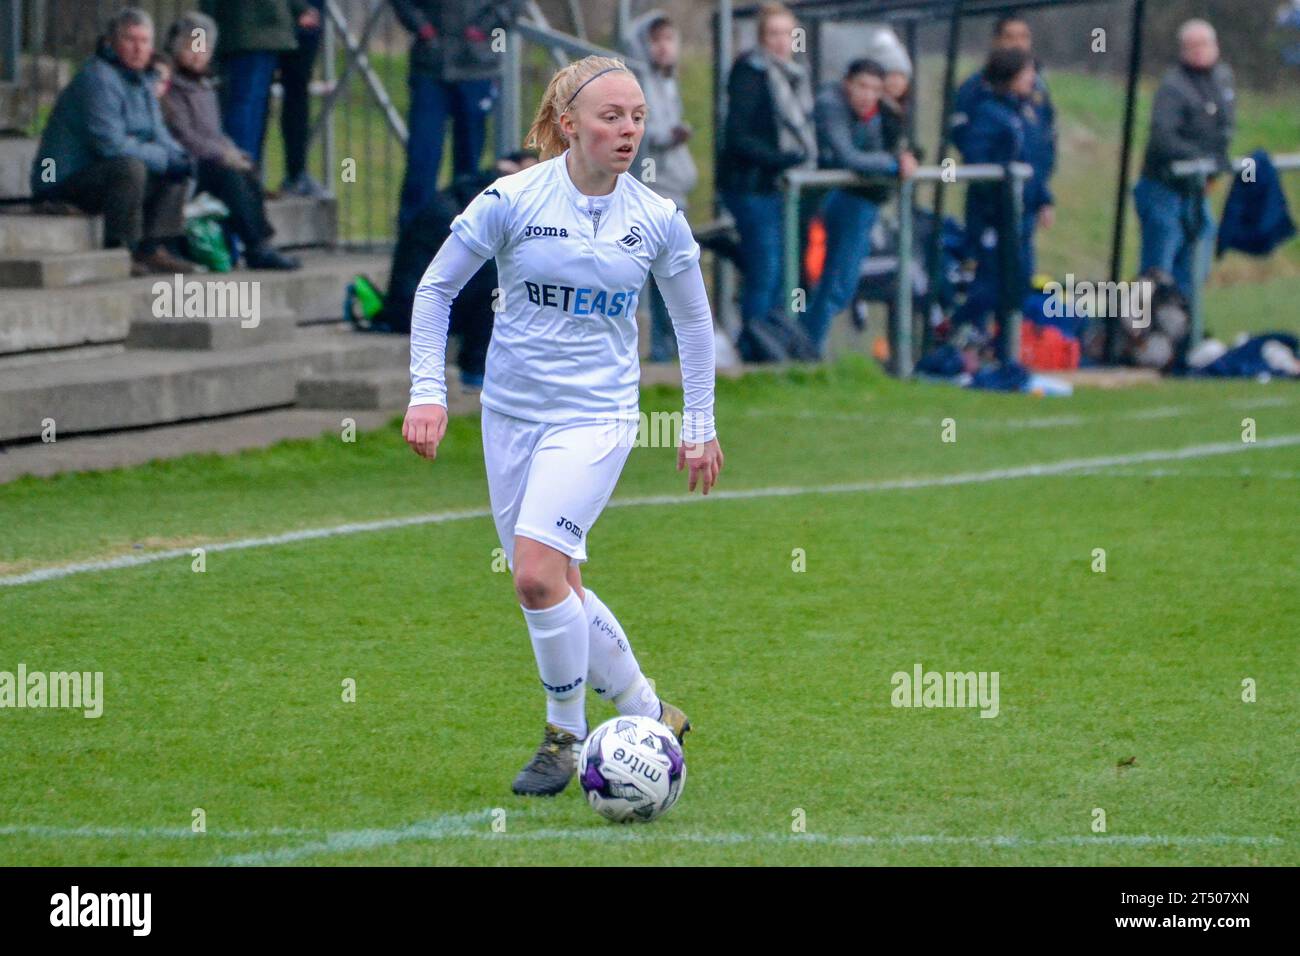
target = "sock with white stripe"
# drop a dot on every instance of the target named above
(560, 639)
(612, 668)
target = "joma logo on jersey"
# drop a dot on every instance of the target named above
(570, 527)
(535, 232)
(632, 239)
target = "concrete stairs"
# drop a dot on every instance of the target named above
(90, 349)
(149, 386)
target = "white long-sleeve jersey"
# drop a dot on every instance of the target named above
(564, 342)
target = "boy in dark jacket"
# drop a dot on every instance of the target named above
(1001, 132)
(850, 135)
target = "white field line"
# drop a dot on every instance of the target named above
(1039, 470)
(1042, 421)
(476, 826)
(145, 833)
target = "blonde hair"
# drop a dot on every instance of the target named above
(770, 11)
(545, 134)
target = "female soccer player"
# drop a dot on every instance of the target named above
(573, 238)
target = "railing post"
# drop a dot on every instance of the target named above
(1011, 335)
(900, 334)
(11, 22)
(1199, 256)
(790, 241)
(507, 118)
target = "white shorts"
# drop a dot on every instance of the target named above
(550, 482)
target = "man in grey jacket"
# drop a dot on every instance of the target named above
(1193, 117)
(664, 161)
(107, 150)
(851, 135)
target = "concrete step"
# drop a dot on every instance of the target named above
(300, 222)
(16, 155)
(17, 107)
(58, 270)
(210, 334)
(36, 319)
(24, 230)
(150, 387)
(360, 390)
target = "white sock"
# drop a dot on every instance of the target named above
(560, 639)
(612, 669)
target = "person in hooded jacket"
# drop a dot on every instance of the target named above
(664, 160)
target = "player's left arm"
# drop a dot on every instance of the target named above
(677, 273)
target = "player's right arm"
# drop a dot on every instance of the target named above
(426, 416)
(476, 236)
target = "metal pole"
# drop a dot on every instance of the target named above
(910, 39)
(724, 270)
(11, 17)
(790, 240)
(933, 248)
(1126, 149)
(509, 106)
(900, 333)
(1013, 298)
(328, 154)
(1196, 298)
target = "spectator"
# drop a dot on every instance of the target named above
(999, 134)
(851, 135)
(471, 312)
(224, 170)
(106, 150)
(452, 67)
(664, 162)
(896, 105)
(295, 106)
(1192, 118)
(254, 35)
(1011, 32)
(769, 129)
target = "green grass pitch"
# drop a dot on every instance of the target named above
(1120, 691)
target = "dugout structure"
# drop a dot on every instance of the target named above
(907, 17)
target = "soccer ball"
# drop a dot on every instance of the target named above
(632, 769)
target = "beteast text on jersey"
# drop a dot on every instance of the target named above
(584, 301)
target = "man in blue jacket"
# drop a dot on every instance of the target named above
(1002, 131)
(1011, 32)
(107, 150)
(850, 135)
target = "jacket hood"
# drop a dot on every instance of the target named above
(637, 39)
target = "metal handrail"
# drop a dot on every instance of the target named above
(900, 333)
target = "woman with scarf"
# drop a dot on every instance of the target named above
(769, 129)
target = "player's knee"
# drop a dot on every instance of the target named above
(537, 588)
